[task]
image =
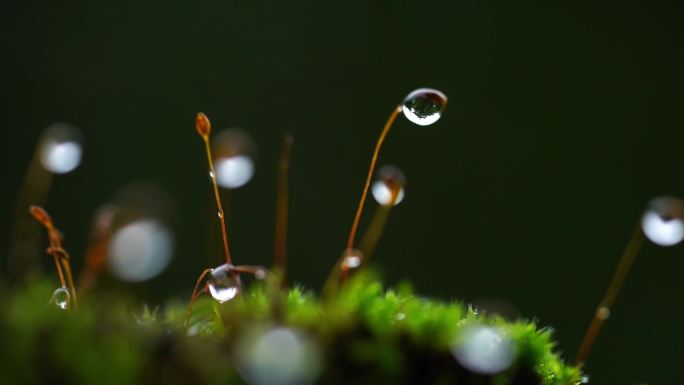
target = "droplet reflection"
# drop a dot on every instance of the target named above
(424, 106)
(484, 350)
(233, 151)
(140, 250)
(221, 284)
(351, 258)
(663, 221)
(235, 171)
(391, 180)
(61, 298)
(60, 148)
(279, 356)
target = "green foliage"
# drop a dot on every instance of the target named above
(364, 335)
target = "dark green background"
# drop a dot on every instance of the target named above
(563, 120)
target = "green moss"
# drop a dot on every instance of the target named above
(364, 334)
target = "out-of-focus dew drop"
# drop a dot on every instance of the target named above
(61, 298)
(233, 151)
(484, 350)
(351, 258)
(60, 148)
(663, 221)
(424, 106)
(278, 356)
(140, 250)
(390, 180)
(221, 284)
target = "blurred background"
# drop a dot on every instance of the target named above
(564, 119)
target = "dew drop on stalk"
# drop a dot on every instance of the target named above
(61, 298)
(351, 258)
(60, 148)
(391, 180)
(221, 284)
(424, 106)
(484, 350)
(260, 274)
(663, 221)
(233, 151)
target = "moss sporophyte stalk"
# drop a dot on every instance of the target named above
(356, 331)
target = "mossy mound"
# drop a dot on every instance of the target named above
(364, 335)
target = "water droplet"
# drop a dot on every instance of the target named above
(60, 148)
(391, 180)
(221, 284)
(61, 298)
(351, 259)
(424, 106)
(603, 313)
(140, 250)
(220, 214)
(211, 175)
(484, 350)
(235, 171)
(233, 151)
(400, 316)
(584, 379)
(278, 356)
(663, 221)
(260, 274)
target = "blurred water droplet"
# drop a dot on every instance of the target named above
(220, 214)
(424, 106)
(400, 316)
(60, 148)
(603, 313)
(260, 274)
(279, 356)
(140, 250)
(584, 379)
(484, 350)
(211, 175)
(235, 171)
(61, 298)
(221, 284)
(233, 158)
(390, 179)
(663, 221)
(351, 259)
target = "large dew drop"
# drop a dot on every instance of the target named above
(424, 106)
(221, 284)
(61, 298)
(278, 356)
(60, 148)
(391, 180)
(663, 221)
(234, 171)
(484, 350)
(233, 151)
(140, 250)
(351, 258)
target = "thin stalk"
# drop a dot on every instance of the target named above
(603, 310)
